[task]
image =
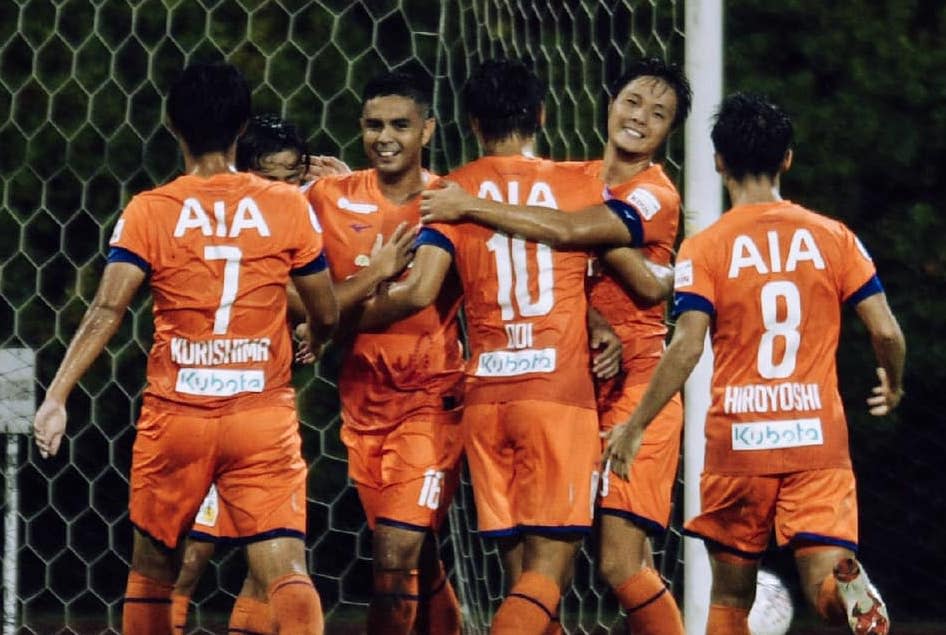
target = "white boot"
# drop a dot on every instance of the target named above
(866, 611)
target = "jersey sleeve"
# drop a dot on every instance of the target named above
(132, 240)
(439, 235)
(308, 256)
(650, 213)
(694, 288)
(859, 278)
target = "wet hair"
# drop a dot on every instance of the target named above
(504, 97)
(669, 73)
(411, 84)
(208, 105)
(751, 135)
(267, 134)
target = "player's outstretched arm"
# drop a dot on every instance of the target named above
(120, 281)
(646, 280)
(675, 366)
(590, 227)
(408, 296)
(321, 307)
(890, 349)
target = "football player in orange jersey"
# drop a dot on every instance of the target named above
(768, 281)
(648, 101)
(219, 406)
(272, 148)
(400, 386)
(529, 424)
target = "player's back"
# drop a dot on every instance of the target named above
(413, 365)
(219, 252)
(524, 302)
(779, 274)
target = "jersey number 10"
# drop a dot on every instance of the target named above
(512, 275)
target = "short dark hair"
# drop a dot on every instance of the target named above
(402, 83)
(267, 134)
(751, 135)
(208, 105)
(668, 72)
(505, 97)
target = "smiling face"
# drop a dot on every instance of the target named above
(641, 115)
(394, 131)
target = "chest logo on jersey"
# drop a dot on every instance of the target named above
(247, 216)
(747, 255)
(540, 194)
(776, 435)
(354, 206)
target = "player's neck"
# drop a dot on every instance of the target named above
(209, 164)
(403, 186)
(753, 189)
(620, 167)
(513, 145)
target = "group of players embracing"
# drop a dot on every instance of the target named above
(564, 399)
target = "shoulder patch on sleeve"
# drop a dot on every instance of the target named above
(862, 249)
(314, 219)
(683, 274)
(644, 201)
(117, 232)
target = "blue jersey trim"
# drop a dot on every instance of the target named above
(401, 525)
(869, 288)
(808, 537)
(430, 236)
(120, 254)
(318, 265)
(631, 219)
(684, 301)
(246, 540)
(749, 555)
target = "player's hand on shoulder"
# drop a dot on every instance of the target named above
(606, 350)
(391, 257)
(884, 398)
(446, 202)
(49, 426)
(623, 444)
(322, 166)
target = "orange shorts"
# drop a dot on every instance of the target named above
(406, 476)
(645, 497)
(534, 466)
(740, 512)
(253, 457)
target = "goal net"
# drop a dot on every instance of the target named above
(81, 86)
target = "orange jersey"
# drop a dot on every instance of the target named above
(220, 251)
(415, 366)
(773, 276)
(525, 302)
(642, 329)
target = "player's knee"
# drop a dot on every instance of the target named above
(153, 560)
(395, 548)
(196, 556)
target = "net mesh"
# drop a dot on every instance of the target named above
(81, 84)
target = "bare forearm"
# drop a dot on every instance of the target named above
(890, 350)
(354, 290)
(671, 373)
(96, 329)
(539, 224)
(391, 305)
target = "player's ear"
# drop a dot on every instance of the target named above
(718, 162)
(430, 125)
(787, 161)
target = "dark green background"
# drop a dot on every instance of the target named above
(80, 132)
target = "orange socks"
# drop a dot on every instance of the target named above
(394, 604)
(251, 617)
(727, 620)
(179, 606)
(295, 603)
(529, 607)
(651, 608)
(147, 609)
